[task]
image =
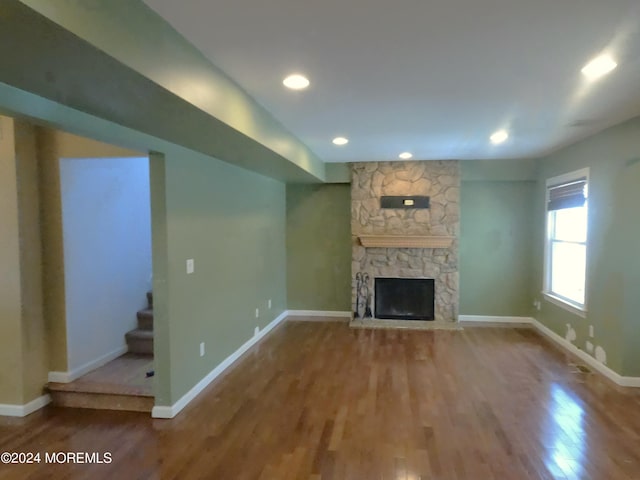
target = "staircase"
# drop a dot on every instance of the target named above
(140, 340)
(122, 384)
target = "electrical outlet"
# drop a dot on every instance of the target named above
(190, 266)
(256, 331)
(269, 304)
(202, 349)
(257, 313)
(591, 331)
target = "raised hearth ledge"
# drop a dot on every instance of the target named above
(405, 241)
(403, 324)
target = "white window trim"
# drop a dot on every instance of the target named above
(566, 304)
(580, 310)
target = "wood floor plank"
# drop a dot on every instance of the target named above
(320, 401)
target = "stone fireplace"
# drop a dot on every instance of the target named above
(409, 243)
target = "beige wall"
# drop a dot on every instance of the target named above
(52, 146)
(23, 345)
(32, 326)
(34, 345)
(10, 295)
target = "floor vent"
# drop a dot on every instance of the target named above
(580, 368)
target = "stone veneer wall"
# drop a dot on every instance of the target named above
(440, 180)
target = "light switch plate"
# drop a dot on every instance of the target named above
(190, 266)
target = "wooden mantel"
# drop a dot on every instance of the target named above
(405, 241)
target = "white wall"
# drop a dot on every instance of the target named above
(107, 252)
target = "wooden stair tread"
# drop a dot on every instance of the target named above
(124, 374)
(101, 388)
(121, 384)
(102, 401)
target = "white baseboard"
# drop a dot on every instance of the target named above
(491, 319)
(70, 376)
(633, 382)
(8, 410)
(564, 343)
(586, 358)
(173, 410)
(319, 313)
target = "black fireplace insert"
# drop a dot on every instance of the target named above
(404, 298)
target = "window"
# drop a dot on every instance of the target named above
(566, 246)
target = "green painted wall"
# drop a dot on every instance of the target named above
(232, 223)
(338, 172)
(68, 43)
(230, 220)
(499, 170)
(613, 262)
(495, 247)
(319, 247)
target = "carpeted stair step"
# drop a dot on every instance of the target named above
(140, 341)
(150, 299)
(145, 319)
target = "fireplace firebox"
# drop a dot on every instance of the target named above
(404, 298)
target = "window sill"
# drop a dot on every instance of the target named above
(581, 312)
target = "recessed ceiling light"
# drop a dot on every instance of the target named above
(340, 141)
(599, 67)
(499, 137)
(296, 82)
(405, 155)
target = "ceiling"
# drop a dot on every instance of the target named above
(434, 77)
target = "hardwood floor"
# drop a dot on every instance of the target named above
(317, 400)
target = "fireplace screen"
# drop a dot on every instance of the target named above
(404, 298)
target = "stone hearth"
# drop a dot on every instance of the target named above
(440, 180)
